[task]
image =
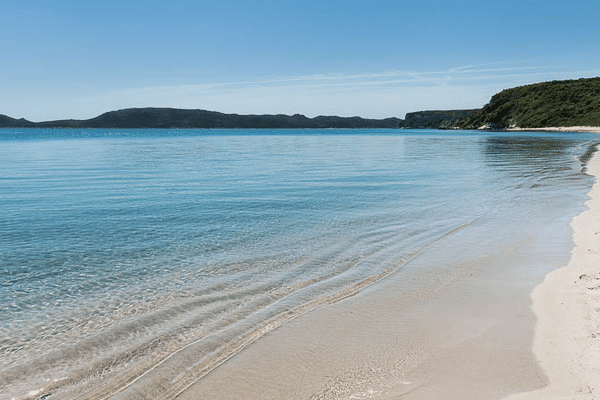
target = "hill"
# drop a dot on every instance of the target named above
(8, 122)
(541, 105)
(435, 119)
(179, 118)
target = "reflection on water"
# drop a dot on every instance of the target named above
(533, 151)
(538, 160)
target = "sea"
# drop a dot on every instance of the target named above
(135, 262)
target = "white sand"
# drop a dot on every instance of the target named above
(591, 129)
(567, 304)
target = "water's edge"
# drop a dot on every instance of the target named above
(209, 251)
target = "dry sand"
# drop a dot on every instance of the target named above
(567, 304)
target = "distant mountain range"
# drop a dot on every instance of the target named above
(178, 118)
(547, 104)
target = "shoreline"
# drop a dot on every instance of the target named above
(561, 129)
(501, 337)
(589, 129)
(567, 305)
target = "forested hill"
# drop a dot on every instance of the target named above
(447, 119)
(178, 118)
(541, 105)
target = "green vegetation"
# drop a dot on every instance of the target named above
(435, 119)
(541, 105)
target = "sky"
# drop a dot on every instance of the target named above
(374, 59)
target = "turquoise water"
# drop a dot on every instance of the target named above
(155, 253)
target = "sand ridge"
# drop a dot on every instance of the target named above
(567, 304)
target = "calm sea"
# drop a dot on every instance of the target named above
(130, 255)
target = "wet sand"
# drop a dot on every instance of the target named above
(567, 304)
(461, 330)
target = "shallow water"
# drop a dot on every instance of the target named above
(135, 262)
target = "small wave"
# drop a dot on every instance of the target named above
(185, 365)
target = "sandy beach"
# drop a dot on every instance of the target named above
(478, 349)
(567, 305)
(462, 226)
(463, 330)
(588, 129)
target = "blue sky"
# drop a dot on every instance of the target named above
(375, 59)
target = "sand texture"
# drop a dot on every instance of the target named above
(567, 304)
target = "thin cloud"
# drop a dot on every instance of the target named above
(459, 75)
(413, 75)
(374, 94)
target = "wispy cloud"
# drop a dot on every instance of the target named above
(373, 94)
(385, 79)
(369, 94)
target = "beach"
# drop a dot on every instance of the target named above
(469, 335)
(492, 343)
(588, 129)
(294, 265)
(567, 306)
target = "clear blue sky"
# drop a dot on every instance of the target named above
(77, 59)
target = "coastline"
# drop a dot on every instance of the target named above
(567, 305)
(456, 323)
(389, 343)
(585, 129)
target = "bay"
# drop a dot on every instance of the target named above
(125, 253)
